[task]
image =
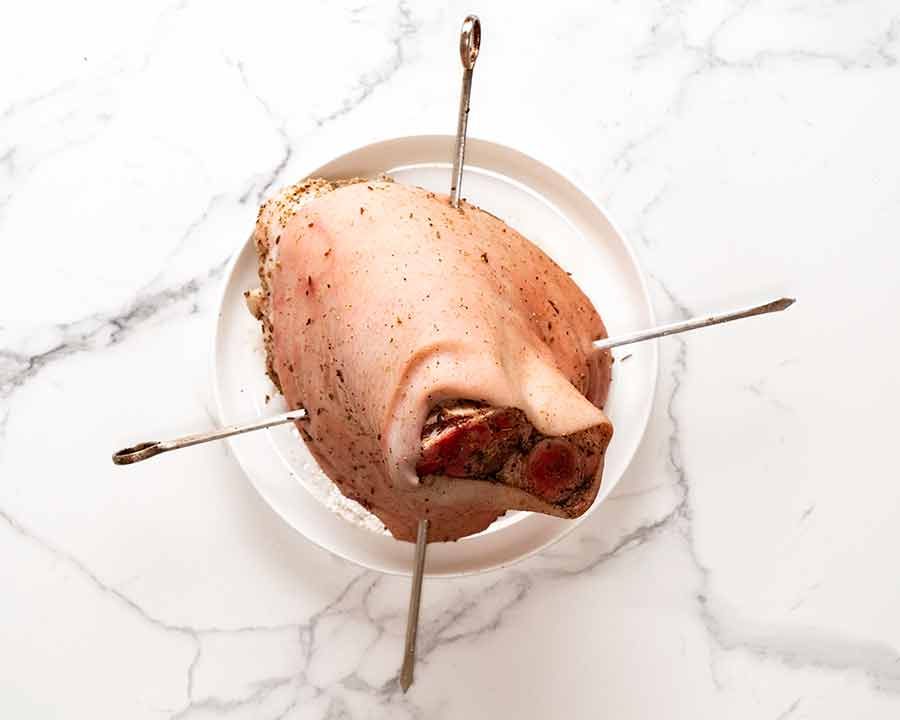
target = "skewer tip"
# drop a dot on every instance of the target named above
(405, 682)
(415, 596)
(783, 304)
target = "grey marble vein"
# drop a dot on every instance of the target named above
(805, 595)
(370, 82)
(264, 689)
(352, 604)
(4, 422)
(192, 669)
(788, 711)
(269, 180)
(873, 55)
(337, 710)
(622, 161)
(116, 70)
(7, 160)
(92, 332)
(157, 31)
(14, 108)
(800, 647)
(591, 559)
(707, 58)
(308, 629)
(878, 662)
(760, 390)
(76, 564)
(190, 231)
(442, 632)
(289, 708)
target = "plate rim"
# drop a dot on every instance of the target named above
(566, 529)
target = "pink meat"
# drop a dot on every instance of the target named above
(381, 305)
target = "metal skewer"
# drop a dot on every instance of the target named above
(412, 618)
(695, 323)
(146, 450)
(469, 44)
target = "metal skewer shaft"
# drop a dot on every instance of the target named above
(146, 450)
(695, 323)
(412, 618)
(469, 43)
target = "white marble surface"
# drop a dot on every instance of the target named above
(747, 565)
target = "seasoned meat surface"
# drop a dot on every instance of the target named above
(445, 362)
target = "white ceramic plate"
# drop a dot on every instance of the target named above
(549, 210)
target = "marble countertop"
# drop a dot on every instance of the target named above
(746, 566)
